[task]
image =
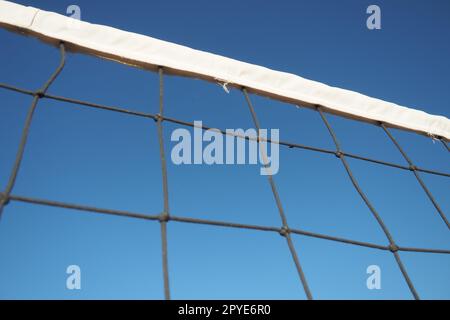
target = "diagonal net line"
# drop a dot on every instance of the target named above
(392, 245)
(164, 216)
(26, 129)
(445, 144)
(285, 231)
(416, 174)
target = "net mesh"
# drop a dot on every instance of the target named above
(285, 230)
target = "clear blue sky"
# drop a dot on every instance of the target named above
(110, 160)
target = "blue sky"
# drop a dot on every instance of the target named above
(109, 160)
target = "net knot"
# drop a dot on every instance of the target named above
(412, 167)
(158, 118)
(4, 199)
(393, 247)
(284, 231)
(40, 94)
(339, 154)
(164, 217)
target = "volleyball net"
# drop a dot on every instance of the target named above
(170, 59)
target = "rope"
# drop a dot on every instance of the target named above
(164, 216)
(413, 168)
(23, 140)
(285, 230)
(290, 145)
(226, 224)
(392, 245)
(445, 144)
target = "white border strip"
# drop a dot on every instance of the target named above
(147, 52)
